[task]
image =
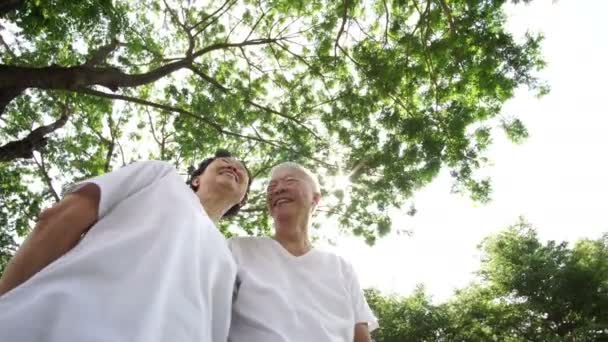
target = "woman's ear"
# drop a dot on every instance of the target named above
(243, 200)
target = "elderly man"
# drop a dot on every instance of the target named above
(288, 291)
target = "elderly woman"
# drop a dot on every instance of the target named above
(152, 265)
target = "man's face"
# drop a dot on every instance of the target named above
(290, 192)
(227, 174)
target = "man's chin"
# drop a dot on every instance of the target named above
(283, 213)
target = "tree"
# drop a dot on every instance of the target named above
(379, 95)
(526, 291)
(412, 318)
(566, 290)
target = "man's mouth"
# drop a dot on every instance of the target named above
(280, 201)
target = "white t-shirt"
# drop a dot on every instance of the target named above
(283, 298)
(153, 268)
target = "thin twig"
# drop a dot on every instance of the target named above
(254, 104)
(387, 22)
(212, 15)
(111, 144)
(214, 125)
(45, 175)
(175, 17)
(122, 153)
(152, 127)
(341, 30)
(8, 49)
(255, 25)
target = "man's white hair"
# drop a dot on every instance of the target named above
(316, 187)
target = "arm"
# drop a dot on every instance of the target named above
(362, 333)
(58, 230)
(365, 320)
(61, 227)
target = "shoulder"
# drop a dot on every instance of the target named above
(247, 242)
(153, 165)
(335, 261)
(153, 169)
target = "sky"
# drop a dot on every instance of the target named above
(557, 179)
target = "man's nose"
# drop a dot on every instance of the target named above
(278, 189)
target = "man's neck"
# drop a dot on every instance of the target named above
(293, 237)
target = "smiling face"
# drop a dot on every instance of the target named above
(226, 176)
(291, 194)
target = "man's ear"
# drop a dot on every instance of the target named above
(316, 198)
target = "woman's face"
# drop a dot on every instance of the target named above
(227, 176)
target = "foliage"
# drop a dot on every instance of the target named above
(527, 291)
(412, 318)
(384, 93)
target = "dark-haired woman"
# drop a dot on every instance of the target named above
(152, 265)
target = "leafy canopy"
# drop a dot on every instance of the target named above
(383, 94)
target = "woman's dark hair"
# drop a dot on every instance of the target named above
(203, 166)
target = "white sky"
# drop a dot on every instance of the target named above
(556, 178)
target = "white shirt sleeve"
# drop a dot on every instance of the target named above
(363, 313)
(124, 182)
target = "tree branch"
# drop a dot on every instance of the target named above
(303, 60)
(6, 96)
(7, 48)
(15, 79)
(34, 141)
(152, 130)
(191, 42)
(208, 79)
(99, 56)
(256, 25)
(45, 176)
(252, 103)
(448, 14)
(70, 78)
(111, 145)
(214, 125)
(341, 30)
(220, 46)
(232, 29)
(10, 5)
(249, 65)
(212, 15)
(122, 153)
(387, 22)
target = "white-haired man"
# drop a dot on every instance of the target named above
(286, 290)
